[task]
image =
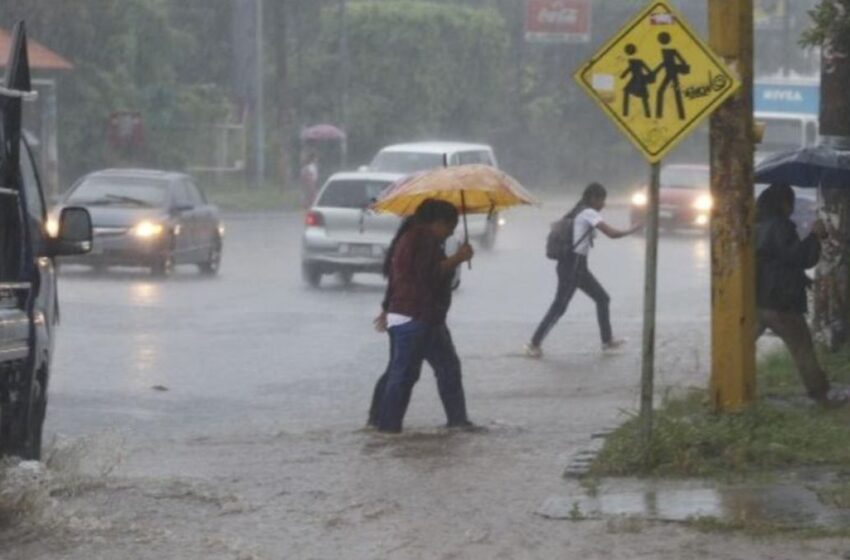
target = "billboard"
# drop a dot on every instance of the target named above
(558, 21)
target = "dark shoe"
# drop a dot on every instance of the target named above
(466, 426)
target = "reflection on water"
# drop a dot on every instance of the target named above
(145, 293)
(146, 362)
(782, 504)
(702, 254)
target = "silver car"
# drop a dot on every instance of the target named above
(342, 236)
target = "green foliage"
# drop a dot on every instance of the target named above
(690, 440)
(830, 25)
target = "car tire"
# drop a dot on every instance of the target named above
(24, 434)
(311, 274)
(346, 277)
(164, 266)
(211, 266)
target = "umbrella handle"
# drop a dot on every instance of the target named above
(465, 226)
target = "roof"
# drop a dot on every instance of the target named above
(435, 147)
(40, 57)
(366, 176)
(140, 173)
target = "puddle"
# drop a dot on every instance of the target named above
(791, 503)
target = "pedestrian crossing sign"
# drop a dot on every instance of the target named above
(657, 80)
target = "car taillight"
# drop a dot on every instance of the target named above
(314, 219)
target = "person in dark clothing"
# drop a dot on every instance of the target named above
(781, 282)
(573, 273)
(420, 291)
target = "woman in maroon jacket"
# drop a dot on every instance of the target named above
(420, 294)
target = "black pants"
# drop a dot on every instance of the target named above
(573, 275)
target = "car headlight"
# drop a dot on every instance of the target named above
(52, 227)
(704, 203)
(147, 229)
(639, 199)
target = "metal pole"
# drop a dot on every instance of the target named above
(733, 310)
(344, 57)
(649, 298)
(259, 109)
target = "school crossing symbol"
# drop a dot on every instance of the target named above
(657, 80)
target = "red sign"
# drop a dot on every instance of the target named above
(558, 21)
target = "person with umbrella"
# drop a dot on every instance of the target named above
(781, 282)
(420, 294)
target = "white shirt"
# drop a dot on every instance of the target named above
(585, 222)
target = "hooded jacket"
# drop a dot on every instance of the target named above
(782, 259)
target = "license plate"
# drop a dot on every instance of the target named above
(360, 250)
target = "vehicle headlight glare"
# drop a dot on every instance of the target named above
(52, 227)
(704, 203)
(146, 230)
(639, 199)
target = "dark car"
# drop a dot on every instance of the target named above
(148, 218)
(28, 301)
(684, 198)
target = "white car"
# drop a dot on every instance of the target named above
(423, 156)
(342, 236)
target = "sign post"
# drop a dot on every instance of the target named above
(657, 81)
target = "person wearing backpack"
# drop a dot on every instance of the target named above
(569, 243)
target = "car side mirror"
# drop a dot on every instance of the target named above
(74, 235)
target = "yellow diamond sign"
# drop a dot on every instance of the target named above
(657, 80)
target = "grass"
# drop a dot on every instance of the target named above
(692, 441)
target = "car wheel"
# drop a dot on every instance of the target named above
(164, 266)
(312, 274)
(488, 240)
(23, 434)
(345, 276)
(211, 266)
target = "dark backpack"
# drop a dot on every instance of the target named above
(559, 242)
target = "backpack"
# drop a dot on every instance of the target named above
(559, 242)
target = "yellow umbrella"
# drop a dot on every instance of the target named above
(472, 189)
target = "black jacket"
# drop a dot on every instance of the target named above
(781, 261)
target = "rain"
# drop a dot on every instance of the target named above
(216, 355)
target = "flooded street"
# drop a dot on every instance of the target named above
(233, 410)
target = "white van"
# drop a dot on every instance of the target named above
(422, 156)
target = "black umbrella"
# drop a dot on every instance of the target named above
(807, 167)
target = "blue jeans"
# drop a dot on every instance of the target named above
(412, 344)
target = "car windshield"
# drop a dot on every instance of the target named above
(121, 191)
(351, 193)
(781, 135)
(406, 162)
(685, 177)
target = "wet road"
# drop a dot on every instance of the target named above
(256, 345)
(256, 449)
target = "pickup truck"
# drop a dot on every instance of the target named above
(29, 310)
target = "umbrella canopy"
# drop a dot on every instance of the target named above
(472, 189)
(322, 132)
(808, 167)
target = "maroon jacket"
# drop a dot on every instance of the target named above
(418, 287)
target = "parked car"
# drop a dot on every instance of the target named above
(343, 237)
(148, 218)
(28, 298)
(417, 157)
(684, 197)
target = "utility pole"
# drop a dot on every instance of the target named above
(733, 364)
(344, 75)
(259, 102)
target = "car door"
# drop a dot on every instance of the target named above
(182, 211)
(205, 218)
(15, 288)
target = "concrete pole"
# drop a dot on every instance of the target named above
(260, 102)
(733, 363)
(345, 75)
